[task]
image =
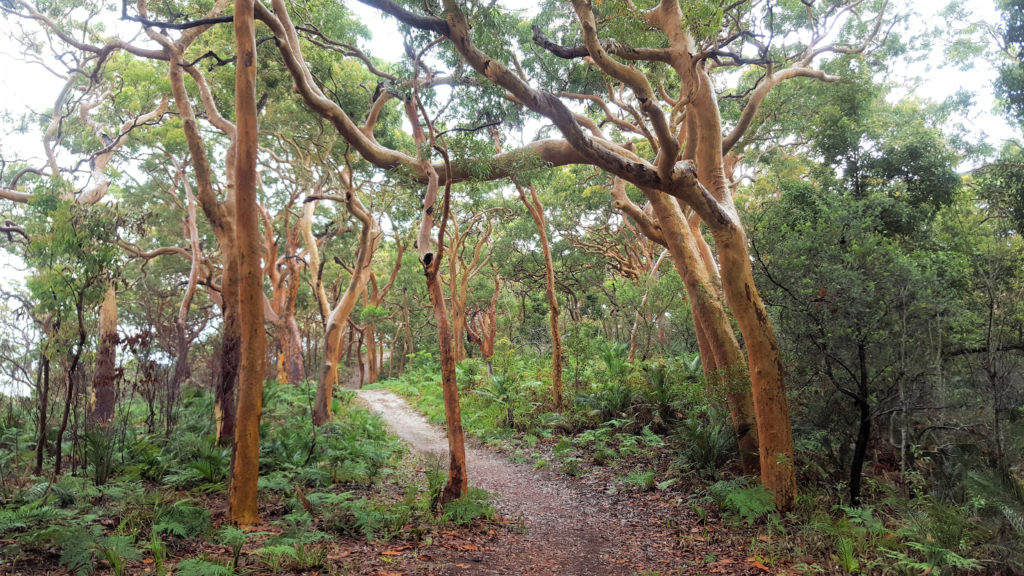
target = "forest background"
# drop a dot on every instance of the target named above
(756, 238)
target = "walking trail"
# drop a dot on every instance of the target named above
(569, 528)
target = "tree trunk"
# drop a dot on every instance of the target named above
(458, 325)
(230, 348)
(69, 386)
(44, 402)
(291, 367)
(369, 238)
(182, 370)
(721, 357)
(104, 380)
(458, 483)
(458, 479)
(359, 361)
(537, 211)
(242, 502)
(860, 450)
(771, 407)
(221, 220)
(70, 370)
(372, 360)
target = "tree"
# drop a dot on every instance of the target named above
(104, 395)
(462, 268)
(482, 327)
(369, 239)
(371, 314)
(846, 260)
(851, 318)
(242, 502)
(681, 168)
(458, 478)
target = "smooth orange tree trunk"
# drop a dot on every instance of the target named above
(723, 360)
(369, 239)
(219, 213)
(183, 337)
(458, 478)
(536, 210)
(724, 365)
(242, 503)
(283, 272)
(461, 272)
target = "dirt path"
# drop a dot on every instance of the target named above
(569, 529)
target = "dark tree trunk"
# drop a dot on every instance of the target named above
(43, 384)
(230, 351)
(859, 451)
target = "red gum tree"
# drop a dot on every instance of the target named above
(683, 176)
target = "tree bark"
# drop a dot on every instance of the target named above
(458, 482)
(859, 451)
(375, 298)
(225, 407)
(44, 404)
(458, 479)
(372, 368)
(483, 328)
(182, 370)
(103, 384)
(220, 214)
(536, 210)
(771, 407)
(723, 361)
(369, 239)
(242, 502)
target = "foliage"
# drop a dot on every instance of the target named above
(708, 442)
(743, 501)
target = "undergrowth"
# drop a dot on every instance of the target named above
(152, 500)
(623, 419)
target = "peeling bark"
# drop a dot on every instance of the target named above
(104, 380)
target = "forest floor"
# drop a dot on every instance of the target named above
(551, 524)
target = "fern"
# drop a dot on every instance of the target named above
(709, 442)
(847, 558)
(78, 547)
(44, 491)
(750, 504)
(24, 517)
(182, 519)
(936, 560)
(116, 550)
(640, 479)
(275, 556)
(200, 567)
(463, 511)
